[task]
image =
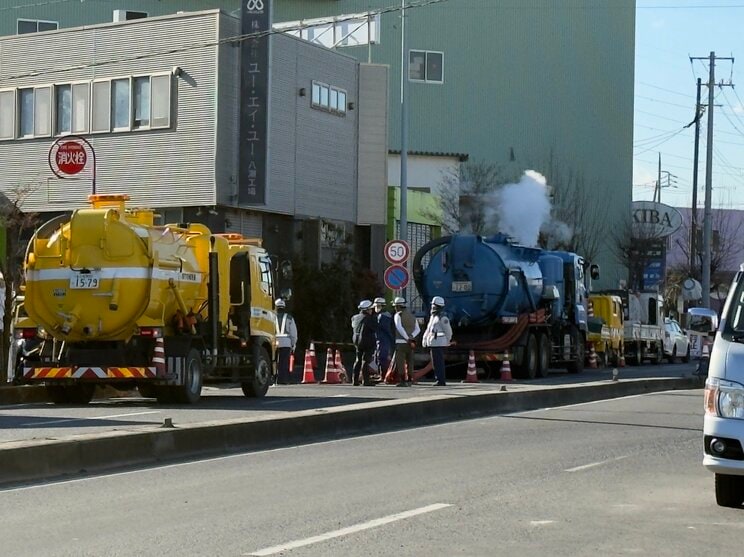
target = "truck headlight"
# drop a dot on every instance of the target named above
(724, 398)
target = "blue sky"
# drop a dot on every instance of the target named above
(668, 33)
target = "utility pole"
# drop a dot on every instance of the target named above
(693, 237)
(403, 235)
(708, 215)
(657, 191)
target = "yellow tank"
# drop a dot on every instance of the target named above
(108, 271)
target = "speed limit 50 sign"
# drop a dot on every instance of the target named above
(397, 251)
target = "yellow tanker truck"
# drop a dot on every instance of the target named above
(111, 298)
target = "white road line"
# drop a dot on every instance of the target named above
(349, 530)
(63, 420)
(541, 522)
(593, 464)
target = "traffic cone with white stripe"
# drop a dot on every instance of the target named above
(313, 358)
(308, 375)
(592, 356)
(506, 374)
(331, 372)
(343, 375)
(472, 374)
(158, 357)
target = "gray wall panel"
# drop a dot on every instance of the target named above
(158, 168)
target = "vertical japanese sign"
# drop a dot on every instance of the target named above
(654, 273)
(255, 17)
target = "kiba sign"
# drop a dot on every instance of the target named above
(654, 220)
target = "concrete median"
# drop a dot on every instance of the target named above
(23, 461)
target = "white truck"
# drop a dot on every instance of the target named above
(643, 334)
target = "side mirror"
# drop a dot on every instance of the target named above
(286, 293)
(594, 271)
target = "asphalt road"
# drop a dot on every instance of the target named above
(613, 477)
(49, 421)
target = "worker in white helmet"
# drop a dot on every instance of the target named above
(385, 336)
(364, 328)
(437, 337)
(406, 331)
(286, 340)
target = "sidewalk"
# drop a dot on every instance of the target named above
(289, 415)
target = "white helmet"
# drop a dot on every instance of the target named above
(399, 301)
(279, 303)
(365, 305)
(380, 301)
(437, 301)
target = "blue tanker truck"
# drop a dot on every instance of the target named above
(509, 301)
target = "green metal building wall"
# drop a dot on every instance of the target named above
(532, 78)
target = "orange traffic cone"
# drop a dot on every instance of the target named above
(308, 375)
(472, 374)
(590, 309)
(331, 372)
(313, 359)
(343, 375)
(506, 374)
(158, 357)
(592, 356)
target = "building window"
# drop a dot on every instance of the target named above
(160, 94)
(329, 98)
(426, 66)
(120, 95)
(141, 102)
(128, 15)
(35, 26)
(71, 107)
(151, 101)
(101, 107)
(7, 114)
(26, 112)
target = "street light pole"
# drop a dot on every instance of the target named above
(403, 235)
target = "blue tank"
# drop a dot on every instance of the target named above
(484, 279)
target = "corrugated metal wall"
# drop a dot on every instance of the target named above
(158, 168)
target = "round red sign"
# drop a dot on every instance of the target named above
(71, 157)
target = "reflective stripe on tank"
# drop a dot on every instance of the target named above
(40, 275)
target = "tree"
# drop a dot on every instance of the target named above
(17, 225)
(574, 202)
(465, 197)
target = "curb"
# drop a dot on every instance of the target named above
(24, 461)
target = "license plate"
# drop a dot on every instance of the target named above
(84, 281)
(462, 286)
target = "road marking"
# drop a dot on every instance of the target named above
(63, 420)
(349, 530)
(541, 522)
(593, 464)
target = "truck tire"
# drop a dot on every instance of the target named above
(544, 352)
(636, 354)
(729, 490)
(577, 340)
(259, 385)
(71, 394)
(190, 391)
(606, 356)
(531, 357)
(659, 357)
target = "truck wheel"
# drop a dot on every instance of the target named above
(530, 364)
(686, 357)
(606, 356)
(544, 353)
(637, 355)
(71, 394)
(659, 355)
(190, 391)
(259, 385)
(577, 340)
(729, 490)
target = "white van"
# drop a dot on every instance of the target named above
(723, 428)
